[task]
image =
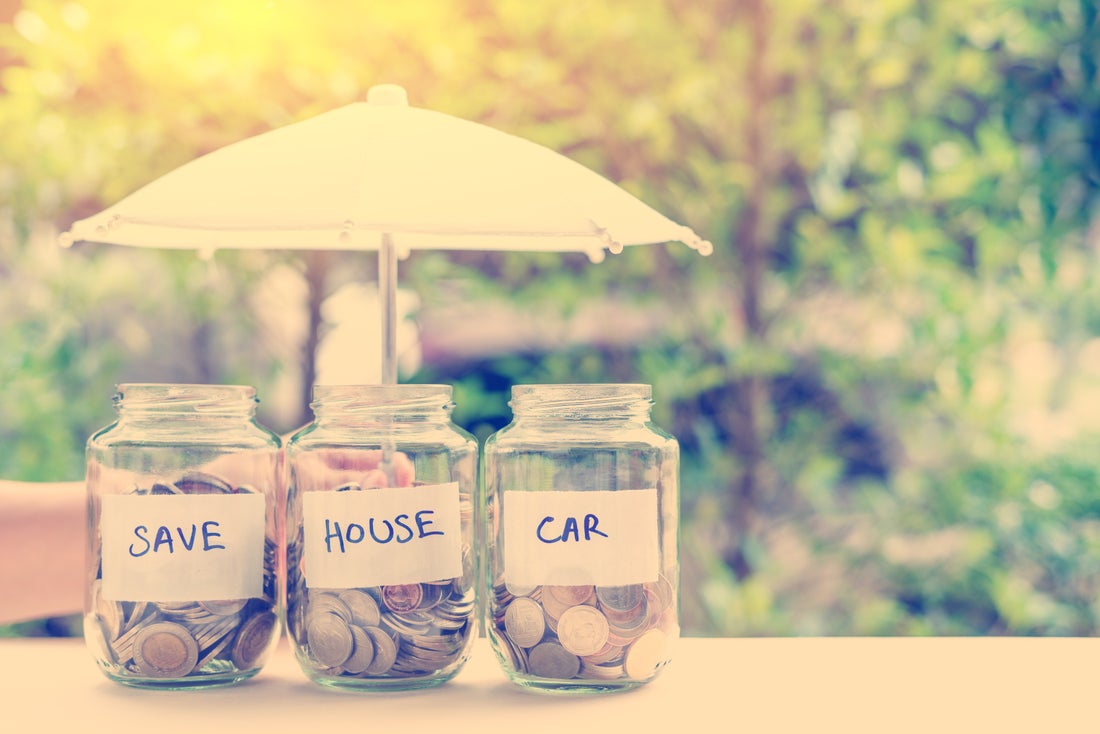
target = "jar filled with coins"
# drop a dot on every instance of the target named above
(380, 569)
(184, 547)
(581, 521)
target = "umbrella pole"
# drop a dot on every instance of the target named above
(387, 293)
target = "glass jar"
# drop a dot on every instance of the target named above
(184, 549)
(380, 570)
(581, 518)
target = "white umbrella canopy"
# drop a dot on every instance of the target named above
(383, 175)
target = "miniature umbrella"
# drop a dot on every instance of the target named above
(382, 175)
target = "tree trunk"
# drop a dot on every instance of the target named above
(748, 423)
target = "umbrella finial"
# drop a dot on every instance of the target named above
(388, 95)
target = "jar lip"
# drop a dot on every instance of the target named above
(370, 397)
(374, 389)
(171, 391)
(190, 397)
(582, 398)
(635, 390)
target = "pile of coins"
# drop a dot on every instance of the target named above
(397, 631)
(178, 639)
(601, 633)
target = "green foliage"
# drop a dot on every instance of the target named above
(883, 379)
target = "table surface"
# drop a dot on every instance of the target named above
(724, 685)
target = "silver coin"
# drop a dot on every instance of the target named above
(329, 638)
(362, 653)
(196, 482)
(110, 617)
(620, 598)
(518, 590)
(322, 602)
(252, 639)
(582, 630)
(223, 607)
(207, 634)
(213, 652)
(364, 609)
(550, 660)
(524, 622)
(385, 651)
(601, 671)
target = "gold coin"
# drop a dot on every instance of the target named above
(402, 597)
(571, 595)
(165, 650)
(661, 592)
(645, 654)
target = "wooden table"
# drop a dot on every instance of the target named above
(887, 685)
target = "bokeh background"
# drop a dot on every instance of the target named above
(885, 380)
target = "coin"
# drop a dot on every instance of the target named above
(571, 595)
(321, 602)
(512, 653)
(524, 622)
(196, 482)
(165, 650)
(402, 597)
(164, 488)
(213, 652)
(408, 624)
(110, 617)
(582, 630)
(385, 651)
(222, 631)
(364, 609)
(601, 671)
(362, 653)
(135, 611)
(329, 639)
(520, 590)
(253, 638)
(625, 629)
(645, 654)
(223, 607)
(661, 591)
(609, 653)
(208, 633)
(620, 598)
(551, 660)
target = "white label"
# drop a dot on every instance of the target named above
(396, 535)
(182, 547)
(572, 538)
